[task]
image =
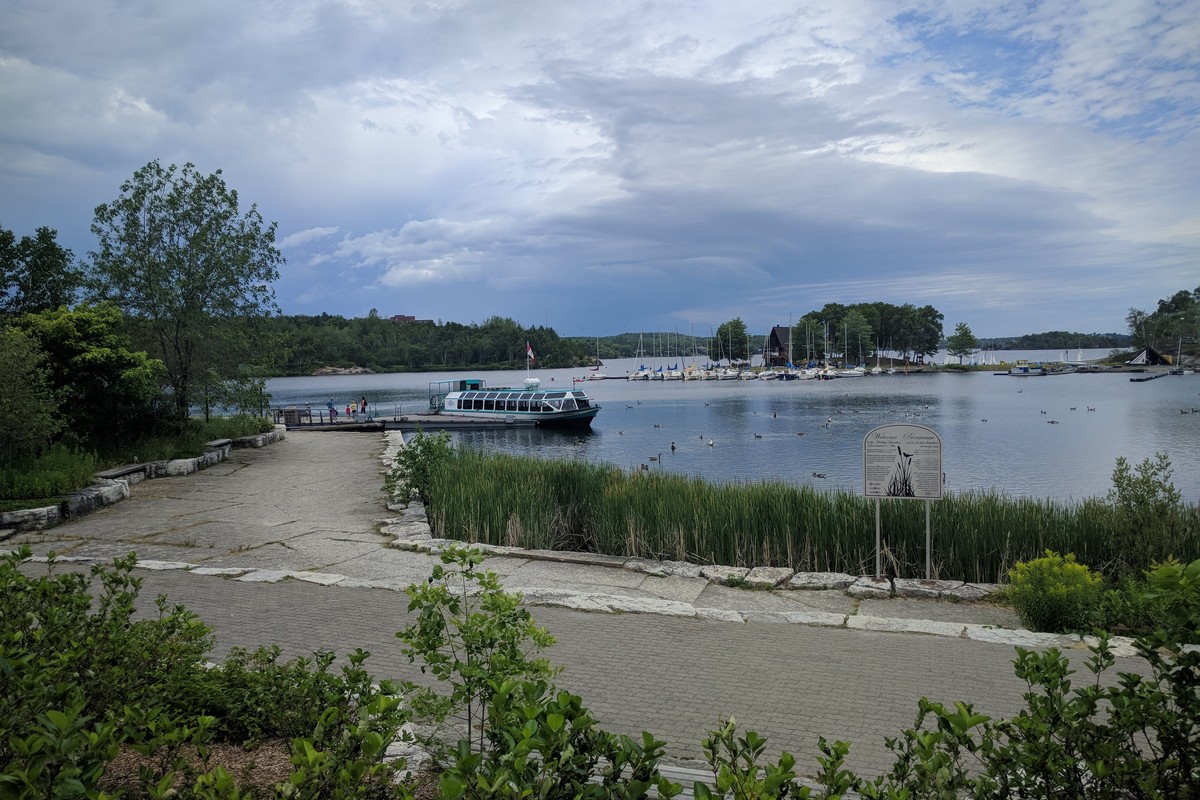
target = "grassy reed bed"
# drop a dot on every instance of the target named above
(507, 500)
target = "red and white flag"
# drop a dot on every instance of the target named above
(529, 353)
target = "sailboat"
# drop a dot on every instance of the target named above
(642, 373)
(595, 374)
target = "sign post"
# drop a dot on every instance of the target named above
(903, 462)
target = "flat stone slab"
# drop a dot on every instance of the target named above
(606, 603)
(719, 574)
(870, 587)
(683, 569)
(911, 587)
(890, 625)
(265, 576)
(821, 580)
(971, 592)
(320, 578)
(823, 619)
(646, 566)
(163, 565)
(1021, 638)
(768, 577)
(219, 571)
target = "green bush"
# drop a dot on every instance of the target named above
(417, 462)
(1130, 607)
(1055, 594)
(81, 678)
(187, 440)
(1147, 520)
(57, 471)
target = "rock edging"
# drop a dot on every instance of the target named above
(112, 485)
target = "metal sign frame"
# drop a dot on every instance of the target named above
(903, 462)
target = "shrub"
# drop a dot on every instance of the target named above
(416, 463)
(1130, 607)
(57, 471)
(1055, 593)
(1148, 521)
(471, 635)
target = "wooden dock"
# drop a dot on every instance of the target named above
(412, 422)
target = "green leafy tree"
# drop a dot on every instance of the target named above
(731, 341)
(1174, 324)
(175, 250)
(962, 342)
(856, 337)
(37, 273)
(109, 393)
(29, 416)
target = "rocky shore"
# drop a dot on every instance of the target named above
(344, 371)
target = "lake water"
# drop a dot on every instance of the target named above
(995, 430)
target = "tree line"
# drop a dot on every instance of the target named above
(1173, 325)
(307, 343)
(1058, 340)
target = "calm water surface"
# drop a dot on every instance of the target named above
(995, 430)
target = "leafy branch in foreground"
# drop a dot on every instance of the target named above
(471, 635)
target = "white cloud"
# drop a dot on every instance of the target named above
(626, 162)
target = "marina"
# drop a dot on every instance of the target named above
(996, 436)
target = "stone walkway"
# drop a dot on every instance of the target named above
(284, 545)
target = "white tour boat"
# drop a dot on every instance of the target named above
(471, 397)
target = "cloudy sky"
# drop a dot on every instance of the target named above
(626, 166)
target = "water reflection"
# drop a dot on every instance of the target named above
(994, 432)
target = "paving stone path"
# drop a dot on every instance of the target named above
(312, 505)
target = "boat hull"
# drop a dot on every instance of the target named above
(580, 418)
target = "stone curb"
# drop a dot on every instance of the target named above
(112, 485)
(1122, 646)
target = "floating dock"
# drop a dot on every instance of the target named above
(407, 422)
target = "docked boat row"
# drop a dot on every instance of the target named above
(717, 373)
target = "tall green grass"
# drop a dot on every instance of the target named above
(40, 480)
(531, 503)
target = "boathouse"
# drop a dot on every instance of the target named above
(777, 346)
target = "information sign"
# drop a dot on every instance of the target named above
(902, 461)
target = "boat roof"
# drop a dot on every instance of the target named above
(445, 387)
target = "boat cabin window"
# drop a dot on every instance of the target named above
(551, 405)
(489, 405)
(568, 404)
(510, 405)
(537, 398)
